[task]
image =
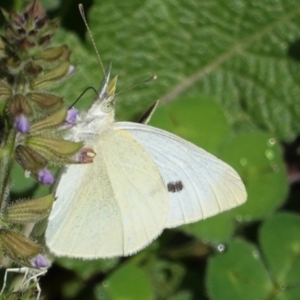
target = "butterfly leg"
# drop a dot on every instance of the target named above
(35, 278)
(15, 270)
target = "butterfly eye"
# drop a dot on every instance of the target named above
(108, 105)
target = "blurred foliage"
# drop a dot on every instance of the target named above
(228, 79)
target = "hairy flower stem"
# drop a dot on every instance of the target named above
(33, 123)
(6, 163)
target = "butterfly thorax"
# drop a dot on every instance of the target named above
(91, 124)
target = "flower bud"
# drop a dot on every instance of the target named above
(56, 151)
(28, 211)
(54, 55)
(22, 124)
(72, 116)
(5, 92)
(45, 176)
(40, 261)
(32, 69)
(44, 100)
(18, 247)
(29, 159)
(48, 79)
(49, 123)
(19, 105)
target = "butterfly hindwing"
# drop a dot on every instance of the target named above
(199, 184)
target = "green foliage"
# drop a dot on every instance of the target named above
(228, 80)
(257, 156)
(269, 273)
(242, 278)
(283, 260)
(136, 286)
(244, 53)
(28, 67)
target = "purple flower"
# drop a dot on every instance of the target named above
(39, 261)
(45, 176)
(21, 124)
(71, 70)
(72, 115)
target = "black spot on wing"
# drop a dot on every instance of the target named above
(175, 187)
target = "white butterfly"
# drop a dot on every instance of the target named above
(142, 180)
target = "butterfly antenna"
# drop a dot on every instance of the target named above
(81, 10)
(152, 78)
(88, 88)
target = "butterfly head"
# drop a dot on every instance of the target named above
(106, 94)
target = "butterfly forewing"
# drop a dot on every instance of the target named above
(199, 184)
(115, 206)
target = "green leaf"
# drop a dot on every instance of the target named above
(183, 295)
(127, 282)
(215, 230)
(84, 62)
(166, 276)
(237, 273)
(50, 4)
(257, 157)
(26, 187)
(86, 269)
(200, 120)
(238, 51)
(288, 294)
(280, 241)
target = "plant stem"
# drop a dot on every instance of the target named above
(6, 163)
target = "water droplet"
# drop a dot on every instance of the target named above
(105, 283)
(256, 254)
(101, 296)
(270, 155)
(239, 218)
(274, 167)
(243, 161)
(221, 248)
(243, 218)
(283, 287)
(271, 142)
